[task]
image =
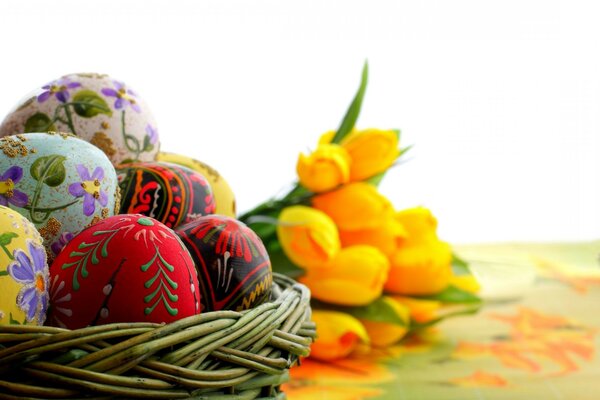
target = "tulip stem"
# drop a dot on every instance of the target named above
(263, 219)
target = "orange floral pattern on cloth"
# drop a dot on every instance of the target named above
(480, 379)
(535, 341)
(580, 280)
(345, 379)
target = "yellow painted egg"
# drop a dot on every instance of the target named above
(224, 197)
(23, 271)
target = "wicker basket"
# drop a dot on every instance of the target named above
(215, 355)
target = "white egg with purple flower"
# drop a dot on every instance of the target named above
(60, 183)
(94, 107)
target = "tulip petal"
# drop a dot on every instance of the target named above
(338, 335)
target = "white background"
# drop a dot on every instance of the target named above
(501, 99)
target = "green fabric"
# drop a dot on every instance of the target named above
(539, 345)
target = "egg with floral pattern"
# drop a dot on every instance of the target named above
(23, 271)
(97, 108)
(127, 268)
(170, 193)
(59, 182)
(234, 270)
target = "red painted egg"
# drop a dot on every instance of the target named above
(234, 270)
(167, 192)
(126, 268)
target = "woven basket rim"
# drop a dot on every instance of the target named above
(218, 354)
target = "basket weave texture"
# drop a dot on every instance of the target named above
(215, 355)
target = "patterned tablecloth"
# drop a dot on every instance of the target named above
(533, 339)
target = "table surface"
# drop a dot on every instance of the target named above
(538, 345)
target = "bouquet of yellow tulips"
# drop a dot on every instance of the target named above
(375, 273)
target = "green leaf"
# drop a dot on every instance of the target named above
(3, 273)
(377, 311)
(354, 109)
(460, 266)
(88, 104)
(376, 179)
(6, 238)
(13, 321)
(39, 122)
(49, 169)
(452, 294)
(147, 145)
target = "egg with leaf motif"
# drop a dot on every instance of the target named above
(59, 182)
(23, 271)
(127, 268)
(234, 270)
(95, 107)
(170, 193)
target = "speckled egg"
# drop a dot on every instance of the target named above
(167, 192)
(127, 268)
(94, 107)
(224, 197)
(234, 270)
(23, 271)
(60, 183)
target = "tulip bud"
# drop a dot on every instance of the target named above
(422, 263)
(324, 169)
(355, 206)
(338, 334)
(420, 269)
(383, 334)
(354, 277)
(386, 238)
(372, 151)
(308, 236)
(421, 310)
(419, 223)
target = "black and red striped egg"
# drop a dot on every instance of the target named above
(169, 193)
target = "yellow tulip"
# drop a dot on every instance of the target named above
(468, 283)
(309, 237)
(421, 310)
(383, 334)
(386, 237)
(327, 137)
(355, 206)
(423, 268)
(419, 223)
(324, 169)
(372, 151)
(354, 277)
(422, 263)
(338, 334)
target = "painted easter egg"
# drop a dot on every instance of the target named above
(60, 183)
(167, 192)
(224, 197)
(23, 271)
(127, 268)
(234, 270)
(94, 107)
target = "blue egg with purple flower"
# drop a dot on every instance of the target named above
(60, 183)
(96, 108)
